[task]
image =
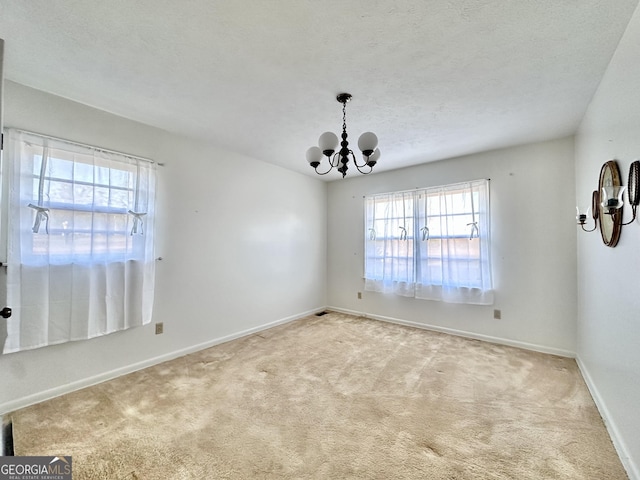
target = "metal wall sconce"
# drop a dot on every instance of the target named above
(607, 202)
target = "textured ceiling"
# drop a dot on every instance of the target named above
(433, 78)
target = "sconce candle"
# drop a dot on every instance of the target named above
(582, 217)
(612, 198)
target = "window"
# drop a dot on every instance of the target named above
(80, 241)
(80, 206)
(430, 243)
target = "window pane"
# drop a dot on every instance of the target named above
(87, 200)
(58, 168)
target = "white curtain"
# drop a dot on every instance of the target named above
(453, 263)
(80, 257)
(390, 244)
(431, 243)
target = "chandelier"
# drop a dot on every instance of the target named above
(328, 144)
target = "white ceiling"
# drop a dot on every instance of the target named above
(433, 78)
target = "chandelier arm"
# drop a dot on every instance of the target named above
(365, 164)
(360, 167)
(331, 166)
(323, 173)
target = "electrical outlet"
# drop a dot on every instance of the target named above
(159, 328)
(359, 295)
(497, 314)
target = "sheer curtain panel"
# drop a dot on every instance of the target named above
(454, 263)
(431, 243)
(80, 260)
(389, 249)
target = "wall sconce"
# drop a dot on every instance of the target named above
(607, 202)
(582, 214)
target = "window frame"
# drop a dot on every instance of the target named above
(96, 159)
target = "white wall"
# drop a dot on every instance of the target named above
(242, 241)
(609, 278)
(533, 239)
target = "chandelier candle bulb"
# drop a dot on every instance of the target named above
(328, 143)
(373, 159)
(367, 143)
(314, 156)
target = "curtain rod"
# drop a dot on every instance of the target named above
(84, 145)
(427, 188)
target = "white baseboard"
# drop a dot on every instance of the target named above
(23, 402)
(461, 333)
(618, 442)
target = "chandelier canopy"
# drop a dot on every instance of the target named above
(328, 144)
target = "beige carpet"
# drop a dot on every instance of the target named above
(333, 397)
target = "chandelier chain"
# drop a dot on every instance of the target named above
(344, 117)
